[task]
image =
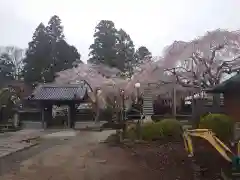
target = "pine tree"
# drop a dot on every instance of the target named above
(112, 47)
(48, 53)
(63, 56)
(125, 51)
(36, 61)
(141, 54)
(67, 56)
(103, 50)
(55, 29)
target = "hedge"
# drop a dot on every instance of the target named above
(220, 124)
(165, 129)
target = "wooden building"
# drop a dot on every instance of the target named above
(231, 92)
(47, 95)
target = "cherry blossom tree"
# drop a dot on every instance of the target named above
(189, 67)
(204, 61)
(184, 66)
(105, 82)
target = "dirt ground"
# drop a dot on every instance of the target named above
(83, 157)
(209, 159)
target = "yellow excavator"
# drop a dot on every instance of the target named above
(222, 149)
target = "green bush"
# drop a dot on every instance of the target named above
(220, 124)
(151, 131)
(159, 130)
(171, 128)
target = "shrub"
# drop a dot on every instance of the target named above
(159, 130)
(171, 128)
(157, 118)
(220, 124)
(151, 131)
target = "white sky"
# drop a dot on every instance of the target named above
(152, 23)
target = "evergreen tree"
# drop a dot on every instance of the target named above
(55, 29)
(103, 50)
(125, 51)
(67, 56)
(141, 54)
(63, 56)
(36, 62)
(48, 53)
(112, 47)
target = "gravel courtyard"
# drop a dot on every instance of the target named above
(61, 158)
(80, 156)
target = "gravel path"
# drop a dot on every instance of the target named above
(51, 151)
(12, 162)
(82, 157)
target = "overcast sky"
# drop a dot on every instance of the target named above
(152, 23)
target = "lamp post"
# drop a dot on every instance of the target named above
(123, 116)
(137, 86)
(123, 104)
(98, 91)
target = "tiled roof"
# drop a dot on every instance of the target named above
(226, 85)
(59, 92)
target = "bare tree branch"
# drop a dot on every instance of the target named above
(214, 50)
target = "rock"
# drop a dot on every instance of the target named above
(102, 161)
